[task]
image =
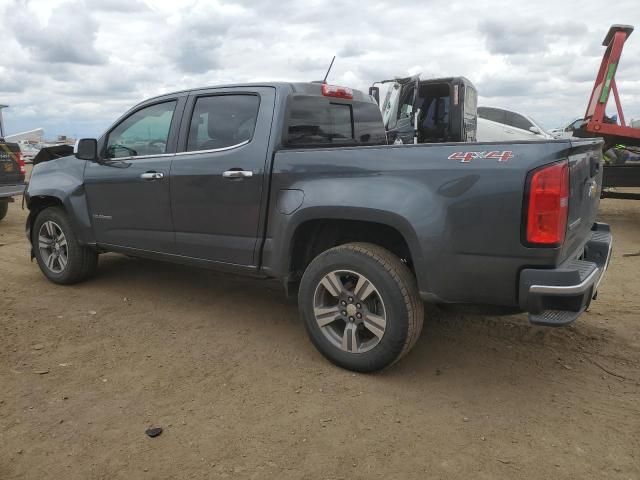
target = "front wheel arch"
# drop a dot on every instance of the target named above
(35, 206)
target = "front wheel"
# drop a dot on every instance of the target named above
(60, 257)
(360, 306)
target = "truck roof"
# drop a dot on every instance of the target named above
(460, 79)
(304, 88)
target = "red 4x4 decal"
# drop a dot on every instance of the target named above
(466, 157)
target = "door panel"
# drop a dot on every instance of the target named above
(217, 181)
(128, 210)
(128, 191)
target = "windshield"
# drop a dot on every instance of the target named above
(390, 100)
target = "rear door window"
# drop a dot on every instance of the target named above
(314, 120)
(222, 121)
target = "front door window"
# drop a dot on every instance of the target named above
(143, 133)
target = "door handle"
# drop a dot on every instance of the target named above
(237, 174)
(151, 175)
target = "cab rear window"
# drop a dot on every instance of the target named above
(315, 120)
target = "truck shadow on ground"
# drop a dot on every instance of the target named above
(263, 305)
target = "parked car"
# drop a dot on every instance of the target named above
(29, 151)
(12, 170)
(12, 173)
(567, 132)
(499, 125)
(296, 182)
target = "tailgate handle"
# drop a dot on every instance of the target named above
(594, 166)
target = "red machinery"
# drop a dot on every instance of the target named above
(597, 124)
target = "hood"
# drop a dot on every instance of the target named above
(50, 153)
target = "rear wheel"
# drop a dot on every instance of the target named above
(360, 306)
(4, 206)
(60, 257)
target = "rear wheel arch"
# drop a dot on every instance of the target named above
(314, 235)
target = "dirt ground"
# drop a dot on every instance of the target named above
(225, 367)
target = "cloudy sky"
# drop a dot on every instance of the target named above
(73, 66)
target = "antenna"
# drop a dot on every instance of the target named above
(330, 65)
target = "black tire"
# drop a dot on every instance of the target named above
(4, 207)
(394, 285)
(81, 261)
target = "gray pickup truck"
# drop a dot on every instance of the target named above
(296, 182)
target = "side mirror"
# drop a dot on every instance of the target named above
(535, 130)
(375, 93)
(86, 149)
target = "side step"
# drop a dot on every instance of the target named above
(553, 318)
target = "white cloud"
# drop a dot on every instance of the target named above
(73, 66)
(56, 41)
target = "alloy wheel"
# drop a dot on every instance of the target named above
(350, 311)
(53, 247)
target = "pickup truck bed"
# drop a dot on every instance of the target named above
(461, 220)
(363, 232)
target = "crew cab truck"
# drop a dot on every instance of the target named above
(294, 181)
(12, 170)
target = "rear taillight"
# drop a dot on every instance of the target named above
(337, 92)
(548, 205)
(20, 161)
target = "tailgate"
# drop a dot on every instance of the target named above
(9, 166)
(585, 185)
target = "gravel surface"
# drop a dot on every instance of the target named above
(223, 366)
